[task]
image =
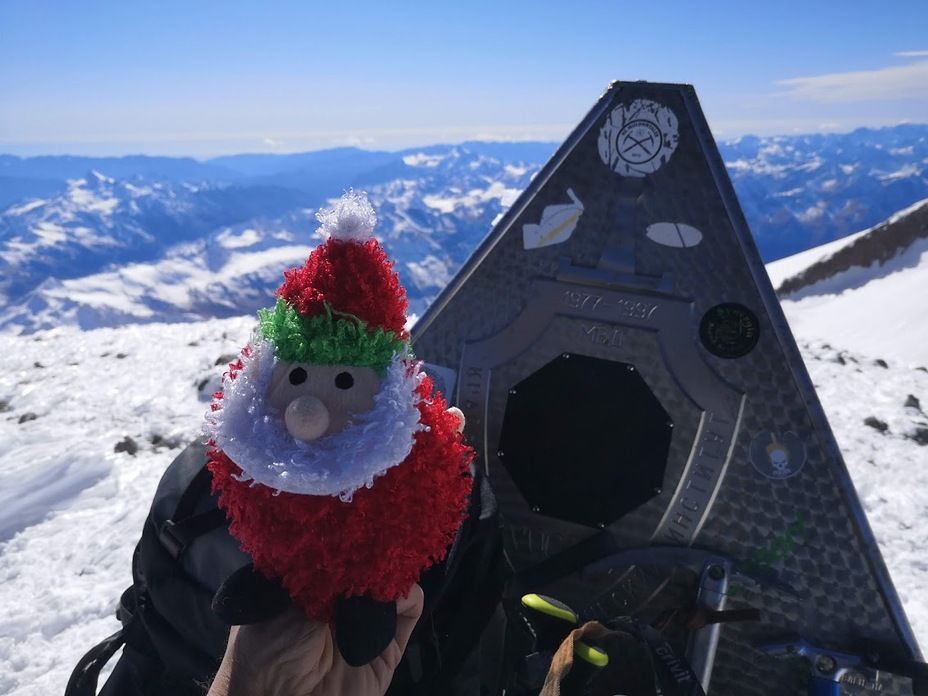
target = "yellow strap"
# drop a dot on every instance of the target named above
(551, 607)
(588, 653)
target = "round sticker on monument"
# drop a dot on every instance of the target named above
(638, 138)
(777, 456)
(729, 330)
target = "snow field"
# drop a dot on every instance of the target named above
(72, 508)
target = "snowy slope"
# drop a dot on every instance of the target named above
(71, 506)
(869, 294)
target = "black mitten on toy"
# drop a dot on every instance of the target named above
(363, 626)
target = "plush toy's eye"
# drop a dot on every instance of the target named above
(297, 376)
(344, 380)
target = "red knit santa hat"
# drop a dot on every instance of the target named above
(345, 304)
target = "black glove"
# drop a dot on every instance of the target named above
(248, 597)
(363, 627)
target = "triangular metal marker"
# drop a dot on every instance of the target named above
(623, 364)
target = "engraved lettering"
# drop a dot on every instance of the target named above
(704, 451)
(474, 379)
(533, 541)
(604, 335)
(692, 497)
(581, 300)
(857, 680)
(712, 444)
(691, 485)
(703, 472)
(673, 663)
(635, 309)
(625, 306)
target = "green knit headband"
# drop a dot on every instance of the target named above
(327, 340)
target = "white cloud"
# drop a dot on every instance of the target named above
(912, 54)
(894, 82)
(354, 141)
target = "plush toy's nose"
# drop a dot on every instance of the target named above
(306, 418)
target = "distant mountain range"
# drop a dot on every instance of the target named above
(799, 192)
(107, 241)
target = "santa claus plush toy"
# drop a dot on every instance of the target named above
(343, 475)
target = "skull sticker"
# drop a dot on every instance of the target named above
(777, 456)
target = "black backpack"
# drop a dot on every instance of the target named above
(172, 642)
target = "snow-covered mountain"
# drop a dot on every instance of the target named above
(802, 191)
(831, 292)
(107, 241)
(90, 257)
(99, 224)
(74, 404)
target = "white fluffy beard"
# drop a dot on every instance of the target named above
(255, 437)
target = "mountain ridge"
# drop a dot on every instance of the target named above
(435, 204)
(863, 292)
(874, 247)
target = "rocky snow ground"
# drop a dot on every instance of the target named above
(72, 506)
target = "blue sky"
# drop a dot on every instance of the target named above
(207, 78)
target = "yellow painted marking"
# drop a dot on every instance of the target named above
(560, 228)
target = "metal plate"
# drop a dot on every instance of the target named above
(630, 246)
(585, 440)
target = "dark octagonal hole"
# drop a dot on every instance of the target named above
(585, 439)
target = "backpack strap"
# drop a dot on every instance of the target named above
(83, 681)
(185, 525)
(675, 669)
(462, 596)
(175, 534)
(570, 560)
